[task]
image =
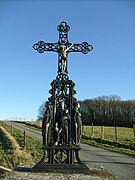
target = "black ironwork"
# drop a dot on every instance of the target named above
(61, 127)
(62, 47)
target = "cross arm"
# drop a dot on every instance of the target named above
(84, 48)
(41, 46)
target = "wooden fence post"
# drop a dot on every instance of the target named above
(92, 131)
(116, 134)
(134, 133)
(82, 130)
(102, 132)
(24, 138)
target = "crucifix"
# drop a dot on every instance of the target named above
(61, 126)
(62, 47)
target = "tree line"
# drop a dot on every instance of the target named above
(108, 111)
(104, 110)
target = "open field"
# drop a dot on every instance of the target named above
(124, 135)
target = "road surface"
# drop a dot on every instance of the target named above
(119, 165)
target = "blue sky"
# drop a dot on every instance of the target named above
(25, 75)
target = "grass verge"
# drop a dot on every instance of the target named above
(12, 149)
(11, 153)
(109, 145)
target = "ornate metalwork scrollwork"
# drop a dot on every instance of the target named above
(63, 27)
(62, 47)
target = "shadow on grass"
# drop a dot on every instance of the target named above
(110, 143)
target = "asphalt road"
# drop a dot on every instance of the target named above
(119, 165)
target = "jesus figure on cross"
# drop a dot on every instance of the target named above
(64, 56)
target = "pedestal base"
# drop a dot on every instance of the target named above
(61, 168)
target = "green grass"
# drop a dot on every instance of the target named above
(125, 135)
(9, 158)
(10, 154)
(6, 150)
(32, 124)
(124, 145)
(5, 153)
(32, 145)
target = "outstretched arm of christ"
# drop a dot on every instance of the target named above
(69, 47)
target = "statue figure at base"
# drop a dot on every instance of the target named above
(77, 123)
(46, 124)
(62, 121)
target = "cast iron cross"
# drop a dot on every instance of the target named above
(63, 47)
